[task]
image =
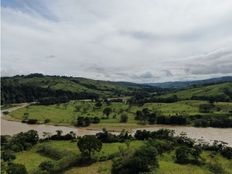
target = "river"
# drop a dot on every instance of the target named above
(208, 134)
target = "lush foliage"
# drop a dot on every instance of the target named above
(88, 144)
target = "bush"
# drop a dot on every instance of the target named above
(5, 112)
(32, 121)
(123, 118)
(50, 152)
(47, 166)
(66, 162)
(8, 155)
(216, 168)
(206, 108)
(85, 121)
(96, 120)
(201, 123)
(46, 121)
(186, 155)
(227, 152)
(16, 169)
(143, 160)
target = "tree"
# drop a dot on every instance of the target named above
(88, 144)
(123, 118)
(107, 112)
(16, 169)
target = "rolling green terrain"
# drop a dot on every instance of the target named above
(31, 159)
(222, 90)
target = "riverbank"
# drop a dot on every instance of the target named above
(207, 134)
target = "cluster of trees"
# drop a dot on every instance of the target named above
(147, 115)
(160, 134)
(220, 122)
(19, 142)
(11, 145)
(59, 136)
(86, 121)
(107, 137)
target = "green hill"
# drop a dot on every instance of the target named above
(217, 92)
(52, 89)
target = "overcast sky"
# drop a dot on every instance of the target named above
(120, 40)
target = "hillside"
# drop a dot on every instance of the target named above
(217, 92)
(37, 87)
(185, 84)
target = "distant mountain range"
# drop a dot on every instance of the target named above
(186, 84)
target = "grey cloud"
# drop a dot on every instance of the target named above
(112, 40)
(168, 73)
(50, 56)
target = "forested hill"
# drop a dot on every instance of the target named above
(55, 89)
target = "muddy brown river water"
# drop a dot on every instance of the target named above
(208, 134)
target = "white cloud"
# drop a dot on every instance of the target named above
(118, 40)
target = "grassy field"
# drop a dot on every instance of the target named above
(31, 159)
(67, 113)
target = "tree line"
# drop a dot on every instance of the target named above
(13, 93)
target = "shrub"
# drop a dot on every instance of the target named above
(32, 121)
(96, 120)
(47, 166)
(50, 152)
(16, 169)
(123, 118)
(142, 161)
(216, 168)
(5, 112)
(46, 120)
(8, 155)
(201, 123)
(227, 152)
(186, 155)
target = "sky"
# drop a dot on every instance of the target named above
(120, 40)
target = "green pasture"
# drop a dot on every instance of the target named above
(67, 113)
